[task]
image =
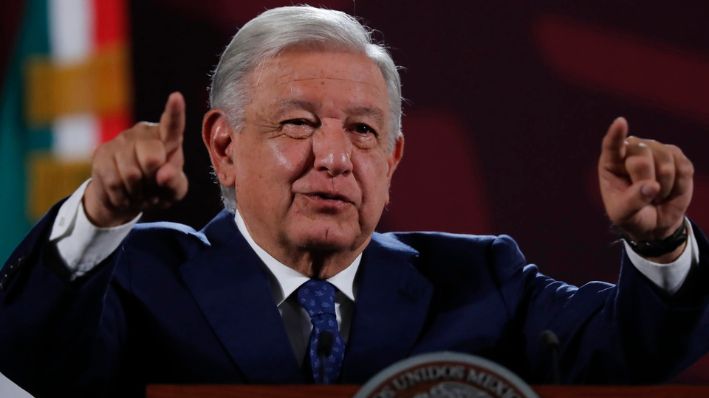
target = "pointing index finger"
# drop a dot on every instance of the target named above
(172, 122)
(613, 147)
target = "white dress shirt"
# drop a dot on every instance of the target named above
(82, 246)
(285, 281)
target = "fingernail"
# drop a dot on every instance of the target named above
(646, 190)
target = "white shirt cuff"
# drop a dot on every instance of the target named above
(668, 277)
(81, 244)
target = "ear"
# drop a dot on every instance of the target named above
(217, 137)
(396, 154)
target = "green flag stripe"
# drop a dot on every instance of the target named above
(16, 138)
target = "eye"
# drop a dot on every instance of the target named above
(298, 127)
(296, 122)
(363, 135)
(363, 129)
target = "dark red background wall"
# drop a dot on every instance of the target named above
(507, 102)
(506, 107)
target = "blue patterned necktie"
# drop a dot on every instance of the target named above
(318, 299)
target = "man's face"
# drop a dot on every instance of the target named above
(312, 163)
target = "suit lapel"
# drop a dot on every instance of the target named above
(391, 304)
(231, 286)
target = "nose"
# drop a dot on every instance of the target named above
(332, 149)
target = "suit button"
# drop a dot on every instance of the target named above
(16, 263)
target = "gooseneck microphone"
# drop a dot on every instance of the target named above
(324, 348)
(550, 342)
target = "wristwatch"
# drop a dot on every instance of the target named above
(656, 248)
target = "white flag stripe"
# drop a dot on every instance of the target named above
(75, 136)
(71, 30)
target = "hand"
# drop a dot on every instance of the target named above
(139, 169)
(646, 185)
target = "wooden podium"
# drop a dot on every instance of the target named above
(347, 391)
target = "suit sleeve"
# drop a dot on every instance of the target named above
(49, 322)
(632, 332)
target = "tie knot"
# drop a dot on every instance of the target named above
(317, 297)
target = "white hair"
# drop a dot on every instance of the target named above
(278, 29)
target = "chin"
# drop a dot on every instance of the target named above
(328, 239)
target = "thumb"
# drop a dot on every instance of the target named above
(632, 200)
(173, 182)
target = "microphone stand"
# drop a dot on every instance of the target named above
(551, 343)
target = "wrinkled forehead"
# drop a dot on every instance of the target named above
(324, 82)
(307, 63)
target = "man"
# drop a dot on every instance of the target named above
(291, 284)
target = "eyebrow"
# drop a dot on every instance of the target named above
(376, 113)
(288, 104)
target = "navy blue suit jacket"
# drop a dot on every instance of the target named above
(174, 305)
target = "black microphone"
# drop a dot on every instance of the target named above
(324, 348)
(551, 344)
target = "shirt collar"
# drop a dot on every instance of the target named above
(286, 279)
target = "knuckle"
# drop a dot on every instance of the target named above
(112, 182)
(116, 199)
(638, 163)
(132, 174)
(674, 149)
(686, 168)
(637, 148)
(677, 153)
(99, 150)
(136, 133)
(102, 151)
(144, 125)
(126, 137)
(665, 170)
(643, 146)
(152, 162)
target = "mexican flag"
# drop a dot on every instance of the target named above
(66, 90)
